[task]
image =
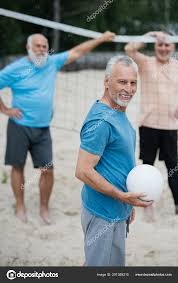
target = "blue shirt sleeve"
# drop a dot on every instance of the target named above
(60, 59)
(7, 77)
(95, 135)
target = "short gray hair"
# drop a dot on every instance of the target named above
(126, 60)
(29, 40)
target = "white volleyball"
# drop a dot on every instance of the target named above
(147, 179)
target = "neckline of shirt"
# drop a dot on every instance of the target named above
(109, 107)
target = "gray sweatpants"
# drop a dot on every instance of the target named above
(104, 241)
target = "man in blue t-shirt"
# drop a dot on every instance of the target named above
(32, 81)
(106, 156)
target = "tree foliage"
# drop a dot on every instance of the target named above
(133, 17)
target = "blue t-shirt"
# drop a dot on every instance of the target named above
(109, 134)
(33, 88)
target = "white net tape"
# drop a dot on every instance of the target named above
(76, 30)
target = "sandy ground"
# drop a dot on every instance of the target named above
(61, 243)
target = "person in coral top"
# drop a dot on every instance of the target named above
(158, 125)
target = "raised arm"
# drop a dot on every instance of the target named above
(87, 46)
(85, 171)
(132, 49)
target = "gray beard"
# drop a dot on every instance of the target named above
(121, 103)
(38, 61)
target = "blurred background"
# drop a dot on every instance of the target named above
(124, 17)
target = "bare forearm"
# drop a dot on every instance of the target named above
(133, 47)
(10, 112)
(3, 107)
(87, 46)
(92, 178)
(85, 171)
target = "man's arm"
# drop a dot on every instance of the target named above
(86, 173)
(87, 46)
(7, 78)
(11, 112)
(132, 48)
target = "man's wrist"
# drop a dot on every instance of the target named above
(117, 194)
(100, 39)
(140, 45)
(4, 110)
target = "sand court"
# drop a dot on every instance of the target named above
(61, 243)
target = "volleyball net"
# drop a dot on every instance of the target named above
(77, 90)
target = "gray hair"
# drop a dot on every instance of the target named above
(30, 38)
(126, 60)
